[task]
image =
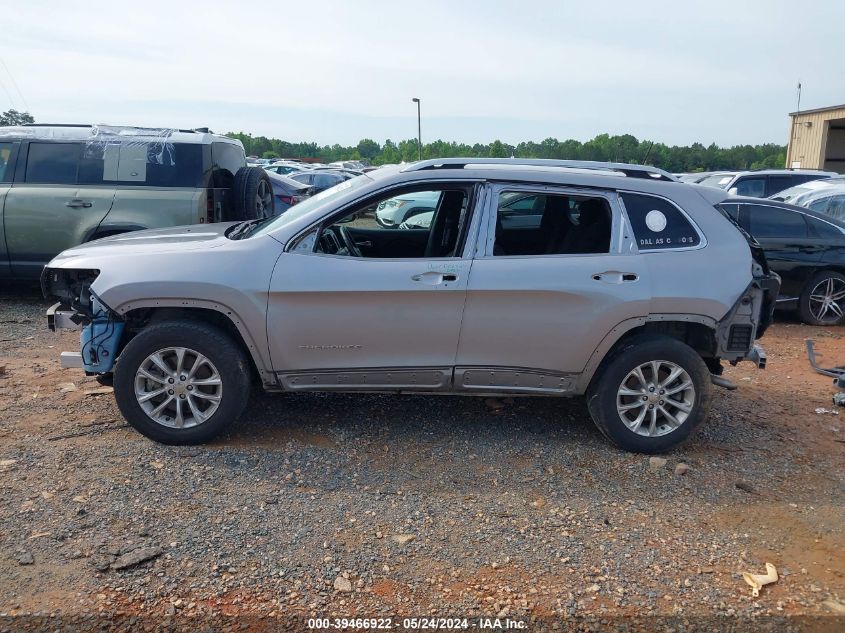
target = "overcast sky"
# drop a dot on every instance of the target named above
(336, 72)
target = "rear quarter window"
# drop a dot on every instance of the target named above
(174, 165)
(658, 224)
(824, 229)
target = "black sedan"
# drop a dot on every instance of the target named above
(807, 250)
(322, 179)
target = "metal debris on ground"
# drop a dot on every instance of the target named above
(837, 373)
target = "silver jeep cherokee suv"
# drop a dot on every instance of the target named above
(626, 286)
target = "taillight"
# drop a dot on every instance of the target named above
(289, 200)
(209, 207)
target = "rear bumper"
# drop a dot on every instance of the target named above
(747, 321)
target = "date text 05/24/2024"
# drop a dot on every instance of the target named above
(430, 623)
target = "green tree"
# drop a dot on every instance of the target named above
(13, 117)
(604, 147)
(368, 149)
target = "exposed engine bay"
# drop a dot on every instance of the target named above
(79, 307)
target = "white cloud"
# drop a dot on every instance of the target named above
(674, 71)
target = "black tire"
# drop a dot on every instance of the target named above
(218, 347)
(806, 307)
(252, 194)
(603, 391)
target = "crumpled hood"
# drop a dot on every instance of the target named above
(153, 241)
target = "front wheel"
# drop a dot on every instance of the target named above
(651, 396)
(823, 300)
(181, 382)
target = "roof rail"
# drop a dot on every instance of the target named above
(57, 125)
(630, 170)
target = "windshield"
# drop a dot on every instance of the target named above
(310, 204)
(717, 180)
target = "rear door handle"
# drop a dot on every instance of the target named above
(615, 277)
(76, 203)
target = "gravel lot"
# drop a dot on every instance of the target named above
(367, 506)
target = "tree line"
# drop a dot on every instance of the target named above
(623, 148)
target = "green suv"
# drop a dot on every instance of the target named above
(62, 185)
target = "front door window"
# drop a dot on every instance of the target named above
(415, 224)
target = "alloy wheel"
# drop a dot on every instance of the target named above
(655, 398)
(263, 199)
(826, 300)
(178, 387)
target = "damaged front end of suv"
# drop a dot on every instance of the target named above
(79, 308)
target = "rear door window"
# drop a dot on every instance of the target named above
(53, 163)
(324, 181)
(775, 222)
(779, 183)
(658, 224)
(836, 207)
(819, 206)
(754, 187)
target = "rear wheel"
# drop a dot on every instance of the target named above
(823, 300)
(253, 194)
(651, 396)
(181, 382)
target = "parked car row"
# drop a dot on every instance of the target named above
(758, 184)
(823, 196)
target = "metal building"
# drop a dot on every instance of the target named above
(817, 139)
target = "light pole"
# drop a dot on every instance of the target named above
(419, 128)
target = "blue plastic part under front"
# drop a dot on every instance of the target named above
(99, 341)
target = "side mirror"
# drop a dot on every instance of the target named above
(733, 191)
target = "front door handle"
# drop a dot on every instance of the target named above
(615, 277)
(433, 278)
(76, 203)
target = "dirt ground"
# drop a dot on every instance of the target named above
(369, 506)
